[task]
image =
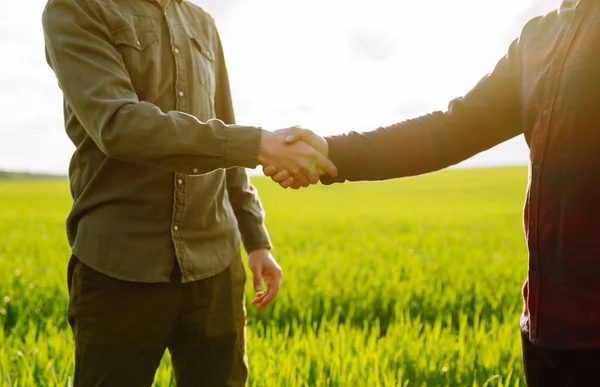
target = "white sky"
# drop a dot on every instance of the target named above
(329, 65)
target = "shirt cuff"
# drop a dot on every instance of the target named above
(257, 238)
(242, 147)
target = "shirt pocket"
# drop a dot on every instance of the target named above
(203, 63)
(139, 48)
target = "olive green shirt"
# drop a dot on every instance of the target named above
(158, 174)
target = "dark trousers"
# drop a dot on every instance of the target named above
(545, 367)
(122, 329)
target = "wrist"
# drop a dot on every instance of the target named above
(266, 138)
(262, 250)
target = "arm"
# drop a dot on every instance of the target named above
(242, 194)
(488, 115)
(97, 87)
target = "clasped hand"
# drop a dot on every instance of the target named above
(295, 157)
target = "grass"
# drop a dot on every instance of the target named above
(411, 282)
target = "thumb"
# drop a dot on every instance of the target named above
(292, 138)
(257, 278)
(293, 134)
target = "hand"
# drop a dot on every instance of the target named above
(264, 268)
(303, 163)
(294, 134)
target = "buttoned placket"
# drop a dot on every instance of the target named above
(180, 105)
(537, 168)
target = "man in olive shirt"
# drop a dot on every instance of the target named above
(161, 197)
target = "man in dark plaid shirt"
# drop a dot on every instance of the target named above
(547, 87)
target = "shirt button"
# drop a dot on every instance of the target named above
(195, 170)
(546, 112)
(179, 181)
(536, 167)
(533, 273)
(180, 93)
(175, 228)
(138, 43)
(176, 51)
(532, 223)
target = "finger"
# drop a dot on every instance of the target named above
(294, 134)
(288, 130)
(272, 290)
(295, 185)
(327, 165)
(258, 298)
(292, 138)
(287, 182)
(313, 177)
(257, 278)
(261, 304)
(301, 179)
(281, 176)
(269, 170)
(321, 171)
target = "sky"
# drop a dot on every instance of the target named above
(332, 66)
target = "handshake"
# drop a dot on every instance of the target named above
(294, 157)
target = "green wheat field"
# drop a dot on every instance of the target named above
(410, 282)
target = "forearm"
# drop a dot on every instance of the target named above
(426, 144)
(140, 132)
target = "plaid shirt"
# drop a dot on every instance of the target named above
(548, 88)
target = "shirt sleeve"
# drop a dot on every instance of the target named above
(487, 115)
(97, 87)
(248, 209)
